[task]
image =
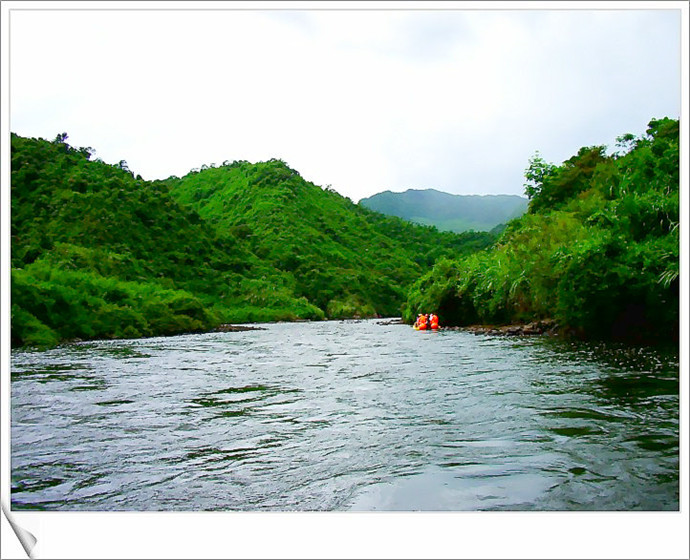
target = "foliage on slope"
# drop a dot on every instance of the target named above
(345, 259)
(598, 250)
(448, 212)
(77, 222)
(99, 253)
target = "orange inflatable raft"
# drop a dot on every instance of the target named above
(426, 322)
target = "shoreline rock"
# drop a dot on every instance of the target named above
(391, 322)
(236, 328)
(534, 328)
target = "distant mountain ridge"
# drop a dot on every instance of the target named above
(448, 212)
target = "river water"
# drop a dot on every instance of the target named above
(347, 416)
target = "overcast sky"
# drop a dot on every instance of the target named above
(362, 100)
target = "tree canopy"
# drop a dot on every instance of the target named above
(597, 251)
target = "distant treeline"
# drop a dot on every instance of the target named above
(597, 251)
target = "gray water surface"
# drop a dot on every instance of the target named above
(344, 415)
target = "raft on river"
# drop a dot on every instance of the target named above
(426, 322)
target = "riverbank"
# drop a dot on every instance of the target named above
(236, 328)
(543, 327)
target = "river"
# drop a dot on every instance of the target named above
(346, 416)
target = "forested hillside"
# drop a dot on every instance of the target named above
(448, 212)
(345, 259)
(100, 253)
(598, 250)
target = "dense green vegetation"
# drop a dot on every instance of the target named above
(345, 259)
(598, 250)
(448, 212)
(99, 253)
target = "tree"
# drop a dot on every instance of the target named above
(626, 143)
(537, 171)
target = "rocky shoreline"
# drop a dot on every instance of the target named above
(396, 321)
(542, 327)
(545, 326)
(237, 328)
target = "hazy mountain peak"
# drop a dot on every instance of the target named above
(446, 211)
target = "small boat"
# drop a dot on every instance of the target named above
(426, 323)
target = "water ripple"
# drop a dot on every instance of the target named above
(344, 415)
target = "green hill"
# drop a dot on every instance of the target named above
(344, 258)
(100, 253)
(598, 250)
(448, 212)
(97, 253)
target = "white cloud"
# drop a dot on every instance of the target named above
(363, 100)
